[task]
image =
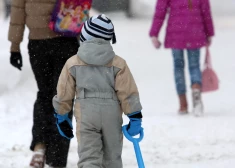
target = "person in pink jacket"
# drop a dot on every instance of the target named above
(189, 27)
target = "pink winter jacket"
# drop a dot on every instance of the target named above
(189, 24)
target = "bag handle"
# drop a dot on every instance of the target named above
(207, 63)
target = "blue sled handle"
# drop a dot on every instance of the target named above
(135, 142)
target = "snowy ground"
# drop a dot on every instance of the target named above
(171, 141)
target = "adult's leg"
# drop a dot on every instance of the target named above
(178, 56)
(196, 78)
(42, 69)
(194, 68)
(63, 48)
(57, 149)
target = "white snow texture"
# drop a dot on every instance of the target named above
(171, 141)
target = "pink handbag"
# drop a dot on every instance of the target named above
(210, 80)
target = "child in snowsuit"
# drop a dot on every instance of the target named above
(189, 27)
(104, 88)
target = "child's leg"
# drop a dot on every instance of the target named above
(90, 147)
(99, 133)
(112, 136)
(194, 68)
(178, 56)
(89, 134)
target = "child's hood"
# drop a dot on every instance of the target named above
(96, 52)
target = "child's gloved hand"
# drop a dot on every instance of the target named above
(64, 125)
(156, 43)
(134, 126)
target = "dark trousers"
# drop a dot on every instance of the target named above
(47, 58)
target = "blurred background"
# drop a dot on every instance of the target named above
(170, 141)
(137, 8)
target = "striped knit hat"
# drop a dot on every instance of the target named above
(98, 27)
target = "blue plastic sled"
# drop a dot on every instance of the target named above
(135, 142)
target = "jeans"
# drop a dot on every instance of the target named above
(194, 68)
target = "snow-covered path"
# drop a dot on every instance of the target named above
(171, 141)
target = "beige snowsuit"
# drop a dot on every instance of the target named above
(103, 88)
